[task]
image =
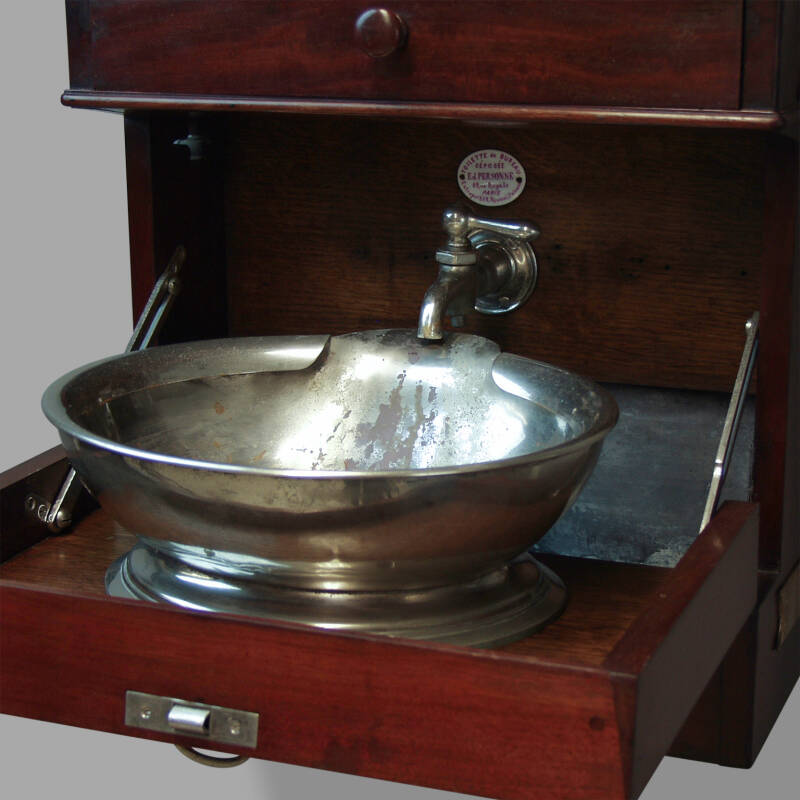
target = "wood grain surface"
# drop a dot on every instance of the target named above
(141, 220)
(40, 476)
(746, 119)
(760, 46)
(670, 54)
(441, 717)
(776, 473)
(541, 718)
(678, 644)
(649, 253)
(174, 199)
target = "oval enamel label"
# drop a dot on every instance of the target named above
(491, 177)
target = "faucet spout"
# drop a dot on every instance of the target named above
(453, 292)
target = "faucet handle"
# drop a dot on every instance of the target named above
(523, 231)
(458, 226)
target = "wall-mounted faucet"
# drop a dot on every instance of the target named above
(485, 264)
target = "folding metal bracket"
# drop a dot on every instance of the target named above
(212, 724)
(57, 515)
(731, 426)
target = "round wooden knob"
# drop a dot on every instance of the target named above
(380, 32)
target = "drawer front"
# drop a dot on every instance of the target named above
(665, 54)
(577, 711)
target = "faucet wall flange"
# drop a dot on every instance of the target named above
(508, 271)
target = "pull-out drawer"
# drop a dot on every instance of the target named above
(662, 55)
(584, 709)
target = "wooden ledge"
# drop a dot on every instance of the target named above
(471, 112)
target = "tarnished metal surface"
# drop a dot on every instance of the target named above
(366, 462)
(491, 610)
(645, 499)
(732, 420)
(210, 724)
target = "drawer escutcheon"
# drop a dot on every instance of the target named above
(210, 723)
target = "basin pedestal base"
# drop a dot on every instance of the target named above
(499, 607)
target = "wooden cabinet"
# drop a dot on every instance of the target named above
(660, 142)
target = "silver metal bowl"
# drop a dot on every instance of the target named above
(370, 481)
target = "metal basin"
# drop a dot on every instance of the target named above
(369, 481)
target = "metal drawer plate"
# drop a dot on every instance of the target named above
(214, 724)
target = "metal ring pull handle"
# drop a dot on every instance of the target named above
(216, 725)
(211, 761)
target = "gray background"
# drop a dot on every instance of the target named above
(65, 300)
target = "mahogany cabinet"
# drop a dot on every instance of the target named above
(306, 177)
